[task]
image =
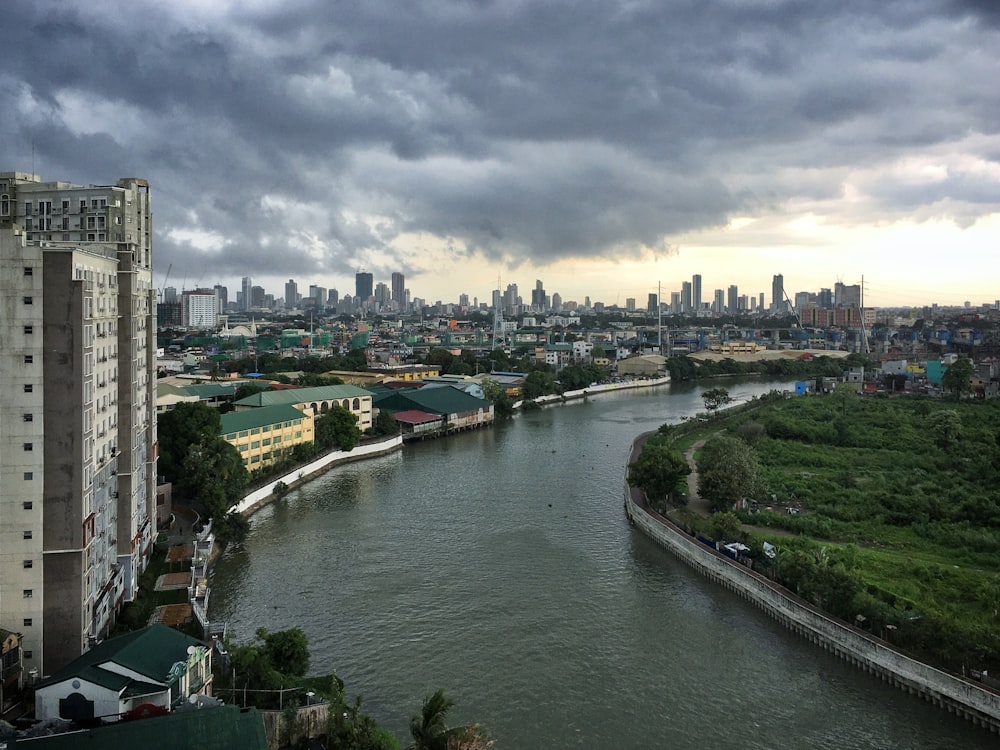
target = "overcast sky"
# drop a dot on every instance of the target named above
(603, 147)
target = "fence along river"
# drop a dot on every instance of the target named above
(499, 565)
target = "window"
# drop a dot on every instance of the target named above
(4, 205)
(29, 359)
(28, 387)
(28, 417)
(28, 300)
(26, 622)
(28, 330)
(254, 445)
(27, 593)
(27, 563)
(27, 208)
(29, 271)
(27, 535)
(65, 205)
(29, 446)
(27, 654)
(265, 441)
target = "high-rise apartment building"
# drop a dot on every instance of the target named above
(77, 410)
(246, 285)
(719, 302)
(696, 292)
(199, 309)
(291, 294)
(732, 304)
(686, 297)
(222, 295)
(399, 290)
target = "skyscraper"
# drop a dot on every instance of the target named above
(733, 302)
(399, 290)
(77, 452)
(364, 284)
(686, 297)
(538, 297)
(696, 292)
(778, 294)
(291, 294)
(246, 285)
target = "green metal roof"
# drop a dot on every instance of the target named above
(215, 728)
(210, 390)
(150, 652)
(303, 395)
(237, 421)
(444, 400)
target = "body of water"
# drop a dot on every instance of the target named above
(500, 566)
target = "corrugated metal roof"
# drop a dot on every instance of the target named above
(302, 395)
(236, 421)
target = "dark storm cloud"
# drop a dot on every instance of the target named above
(298, 138)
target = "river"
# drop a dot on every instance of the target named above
(499, 565)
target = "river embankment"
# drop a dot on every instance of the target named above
(966, 699)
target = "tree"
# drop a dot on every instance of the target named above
(958, 377)
(598, 352)
(715, 398)
(337, 428)
(286, 650)
(246, 390)
(431, 732)
(213, 474)
(726, 526)
(384, 423)
(661, 473)
(428, 728)
(728, 471)
(503, 408)
(186, 425)
(946, 426)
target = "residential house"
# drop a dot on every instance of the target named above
(156, 665)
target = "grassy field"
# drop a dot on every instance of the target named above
(896, 501)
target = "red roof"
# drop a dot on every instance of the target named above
(415, 416)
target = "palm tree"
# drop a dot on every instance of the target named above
(428, 729)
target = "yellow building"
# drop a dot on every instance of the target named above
(316, 401)
(264, 435)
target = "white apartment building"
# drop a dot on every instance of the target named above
(77, 409)
(200, 309)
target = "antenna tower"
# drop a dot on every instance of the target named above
(861, 312)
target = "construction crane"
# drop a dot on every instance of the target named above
(159, 297)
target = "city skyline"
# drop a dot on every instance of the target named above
(683, 291)
(604, 148)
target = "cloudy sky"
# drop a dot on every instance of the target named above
(603, 146)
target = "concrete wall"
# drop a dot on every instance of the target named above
(262, 495)
(593, 390)
(310, 722)
(967, 699)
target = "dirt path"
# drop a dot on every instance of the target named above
(696, 503)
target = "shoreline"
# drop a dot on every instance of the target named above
(969, 700)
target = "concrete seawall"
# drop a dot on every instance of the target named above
(593, 390)
(263, 495)
(967, 699)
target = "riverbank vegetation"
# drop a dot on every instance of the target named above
(269, 673)
(804, 368)
(882, 511)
